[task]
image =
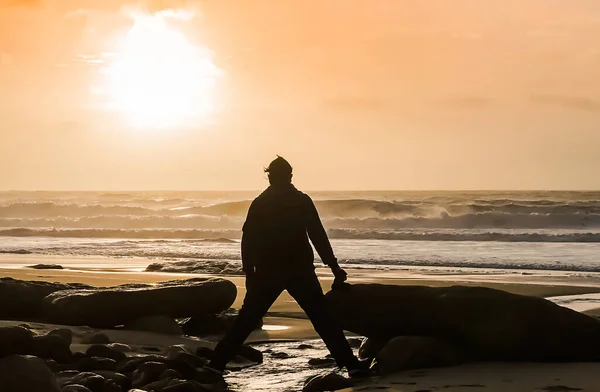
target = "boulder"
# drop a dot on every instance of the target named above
(250, 353)
(120, 305)
(165, 325)
(15, 340)
(23, 300)
(75, 388)
(486, 324)
(417, 352)
(99, 350)
(26, 374)
(370, 347)
(327, 382)
(52, 346)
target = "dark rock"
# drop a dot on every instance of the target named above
(187, 358)
(111, 386)
(177, 385)
(119, 379)
(250, 353)
(489, 324)
(75, 388)
(147, 373)
(159, 385)
(120, 347)
(23, 300)
(370, 347)
(327, 382)
(204, 352)
(417, 352)
(52, 346)
(198, 267)
(89, 364)
(98, 350)
(26, 374)
(95, 338)
(92, 381)
(131, 364)
(65, 333)
(158, 324)
(170, 374)
(15, 340)
(304, 346)
(205, 376)
(151, 349)
(280, 355)
(119, 306)
(322, 362)
(46, 266)
(212, 324)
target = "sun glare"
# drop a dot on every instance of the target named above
(159, 79)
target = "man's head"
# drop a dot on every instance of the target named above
(279, 171)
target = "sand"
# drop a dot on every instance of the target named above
(286, 325)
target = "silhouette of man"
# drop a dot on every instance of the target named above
(277, 256)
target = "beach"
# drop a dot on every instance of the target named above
(285, 326)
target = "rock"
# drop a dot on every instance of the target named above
(147, 373)
(177, 385)
(280, 355)
(370, 347)
(158, 324)
(65, 333)
(120, 347)
(250, 353)
(95, 338)
(75, 388)
(416, 352)
(212, 324)
(119, 379)
(304, 346)
(15, 340)
(159, 385)
(26, 374)
(205, 376)
(52, 346)
(322, 362)
(131, 364)
(121, 305)
(198, 267)
(46, 266)
(170, 374)
(327, 382)
(92, 364)
(111, 386)
(187, 358)
(98, 350)
(489, 324)
(204, 352)
(23, 300)
(94, 382)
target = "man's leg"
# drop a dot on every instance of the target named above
(260, 295)
(307, 291)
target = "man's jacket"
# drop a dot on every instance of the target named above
(276, 233)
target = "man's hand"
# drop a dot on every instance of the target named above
(340, 279)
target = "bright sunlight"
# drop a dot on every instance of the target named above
(158, 78)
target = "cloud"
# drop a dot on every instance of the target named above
(566, 101)
(468, 102)
(354, 104)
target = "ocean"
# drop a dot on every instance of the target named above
(379, 230)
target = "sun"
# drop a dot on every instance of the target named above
(158, 79)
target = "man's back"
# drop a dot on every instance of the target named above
(275, 233)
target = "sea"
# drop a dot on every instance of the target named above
(480, 230)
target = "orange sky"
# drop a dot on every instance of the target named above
(357, 94)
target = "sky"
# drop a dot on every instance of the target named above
(356, 94)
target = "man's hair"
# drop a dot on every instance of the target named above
(279, 171)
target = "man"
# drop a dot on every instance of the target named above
(277, 256)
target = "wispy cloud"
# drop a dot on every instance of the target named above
(567, 101)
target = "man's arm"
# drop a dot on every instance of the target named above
(318, 236)
(249, 241)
